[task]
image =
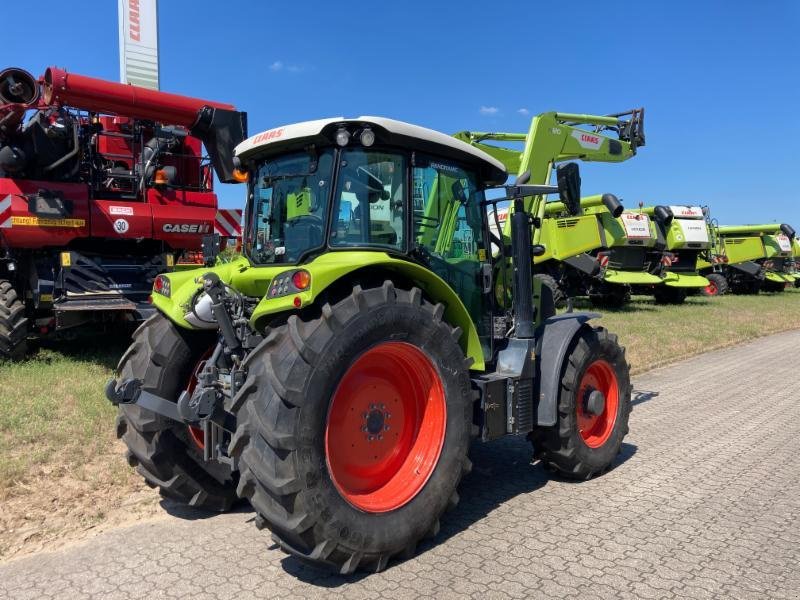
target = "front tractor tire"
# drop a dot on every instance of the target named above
(593, 408)
(168, 454)
(13, 324)
(353, 428)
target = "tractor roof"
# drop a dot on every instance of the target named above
(387, 131)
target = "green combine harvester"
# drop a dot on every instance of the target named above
(684, 234)
(336, 375)
(571, 238)
(796, 255)
(747, 259)
(627, 257)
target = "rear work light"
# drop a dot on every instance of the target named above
(161, 286)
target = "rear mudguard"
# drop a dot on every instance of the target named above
(554, 340)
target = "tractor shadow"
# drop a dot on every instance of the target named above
(502, 470)
(95, 345)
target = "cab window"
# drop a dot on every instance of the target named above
(370, 200)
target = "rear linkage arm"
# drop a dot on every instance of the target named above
(206, 402)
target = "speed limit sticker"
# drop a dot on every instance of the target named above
(121, 226)
(636, 225)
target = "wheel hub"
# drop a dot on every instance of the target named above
(594, 402)
(375, 422)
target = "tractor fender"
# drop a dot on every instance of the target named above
(554, 339)
(331, 267)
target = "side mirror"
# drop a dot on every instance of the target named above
(568, 177)
(211, 249)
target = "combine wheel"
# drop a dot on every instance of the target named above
(610, 295)
(559, 296)
(353, 428)
(665, 294)
(773, 286)
(593, 408)
(13, 324)
(717, 285)
(167, 454)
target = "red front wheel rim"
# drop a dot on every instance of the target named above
(386, 427)
(711, 289)
(596, 423)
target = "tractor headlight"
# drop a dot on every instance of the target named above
(342, 137)
(367, 137)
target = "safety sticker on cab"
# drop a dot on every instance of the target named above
(42, 222)
(783, 242)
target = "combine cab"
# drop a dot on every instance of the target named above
(102, 187)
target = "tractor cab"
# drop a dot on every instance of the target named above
(371, 184)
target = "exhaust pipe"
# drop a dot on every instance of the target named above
(218, 125)
(663, 215)
(613, 205)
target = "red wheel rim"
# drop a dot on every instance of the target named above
(595, 429)
(195, 433)
(711, 288)
(386, 426)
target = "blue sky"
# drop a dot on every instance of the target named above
(720, 81)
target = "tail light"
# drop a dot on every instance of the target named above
(162, 286)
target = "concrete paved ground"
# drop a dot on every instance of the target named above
(704, 502)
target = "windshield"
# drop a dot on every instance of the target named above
(289, 201)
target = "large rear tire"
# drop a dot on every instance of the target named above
(589, 432)
(334, 453)
(166, 453)
(13, 324)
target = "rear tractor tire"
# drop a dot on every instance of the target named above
(717, 285)
(353, 428)
(593, 408)
(13, 324)
(665, 294)
(168, 454)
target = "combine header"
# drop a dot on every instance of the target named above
(102, 186)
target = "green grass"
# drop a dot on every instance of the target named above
(656, 335)
(53, 415)
(60, 462)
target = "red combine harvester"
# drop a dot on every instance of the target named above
(102, 186)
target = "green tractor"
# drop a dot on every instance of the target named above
(754, 258)
(684, 236)
(336, 374)
(576, 239)
(796, 256)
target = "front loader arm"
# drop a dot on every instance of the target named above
(558, 137)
